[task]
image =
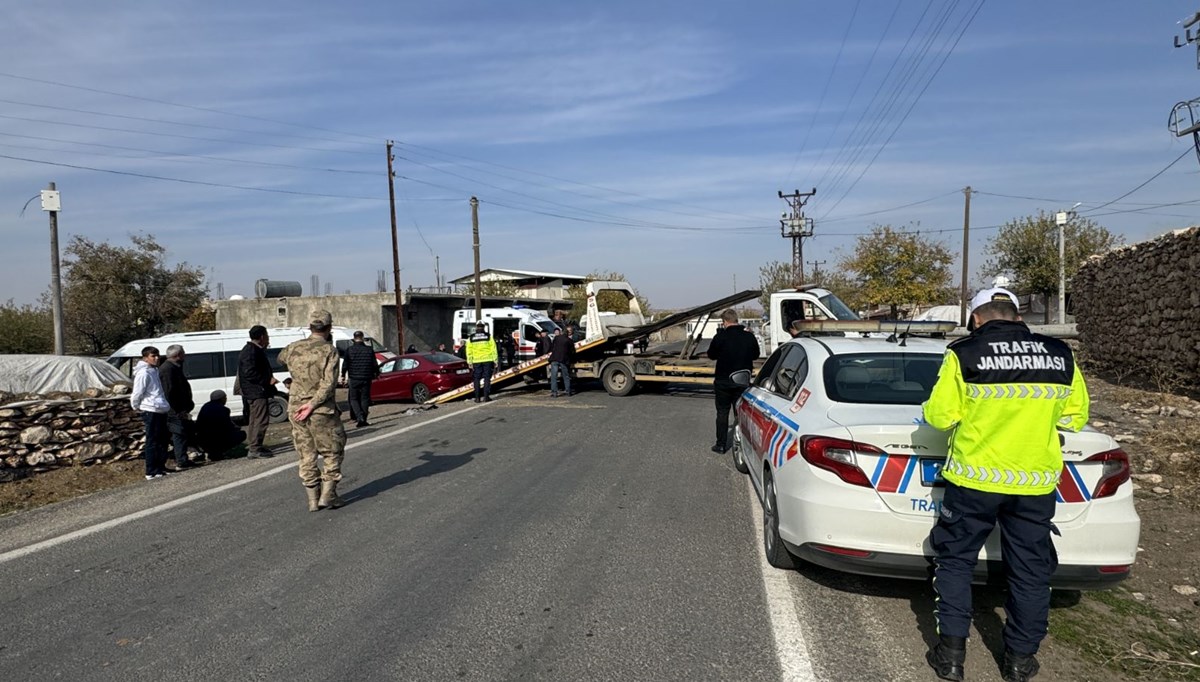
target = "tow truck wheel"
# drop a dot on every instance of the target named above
(618, 379)
(777, 554)
(739, 455)
(420, 393)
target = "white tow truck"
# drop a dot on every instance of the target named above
(609, 350)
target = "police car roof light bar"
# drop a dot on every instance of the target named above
(906, 327)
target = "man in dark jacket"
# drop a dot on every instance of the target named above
(179, 396)
(257, 385)
(562, 354)
(361, 367)
(215, 433)
(734, 349)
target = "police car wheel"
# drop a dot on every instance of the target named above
(777, 554)
(277, 410)
(738, 454)
(420, 393)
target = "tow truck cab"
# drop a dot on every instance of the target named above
(809, 303)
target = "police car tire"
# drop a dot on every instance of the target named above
(777, 553)
(618, 379)
(739, 455)
(420, 393)
(277, 410)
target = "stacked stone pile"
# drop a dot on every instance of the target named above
(1138, 308)
(64, 429)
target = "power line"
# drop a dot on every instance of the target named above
(161, 153)
(888, 210)
(210, 110)
(174, 123)
(183, 137)
(189, 182)
(1152, 178)
(961, 31)
(824, 90)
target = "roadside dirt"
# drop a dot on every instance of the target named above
(55, 485)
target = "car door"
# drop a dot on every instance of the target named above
(385, 386)
(765, 417)
(408, 372)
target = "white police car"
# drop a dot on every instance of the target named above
(832, 435)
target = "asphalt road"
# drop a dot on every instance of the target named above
(590, 538)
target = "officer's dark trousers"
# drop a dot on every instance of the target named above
(966, 519)
(359, 397)
(726, 394)
(482, 372)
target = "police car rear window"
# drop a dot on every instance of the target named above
(881, 378)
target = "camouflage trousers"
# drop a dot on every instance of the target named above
(320, 434)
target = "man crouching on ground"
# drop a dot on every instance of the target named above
(312, 409)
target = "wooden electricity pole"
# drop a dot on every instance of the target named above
(964, 293)
(475, 238)
(51, 204)
(395, 254)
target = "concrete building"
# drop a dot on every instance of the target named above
(529, 284)
(428, 318)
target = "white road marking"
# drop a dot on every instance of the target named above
(121, 520)
(790, 648)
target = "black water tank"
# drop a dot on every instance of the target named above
(272, 288)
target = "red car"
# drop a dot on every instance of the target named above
(419, 376)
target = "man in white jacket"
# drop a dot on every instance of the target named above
(148, 399)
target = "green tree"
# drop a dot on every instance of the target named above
(773, 277)
(502, 288)
(896, 267)
(202, 319)
(843, 286)
(26, 329)
(606, 300)
(114, 294)
(1027, 250)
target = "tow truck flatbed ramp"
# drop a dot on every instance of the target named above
(683, 316)
(506, 375)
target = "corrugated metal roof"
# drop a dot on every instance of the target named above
(519, 274)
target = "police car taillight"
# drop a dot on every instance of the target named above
(1114, 473)
(838, 456)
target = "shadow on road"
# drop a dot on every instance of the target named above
(987, 600)
(433, 464)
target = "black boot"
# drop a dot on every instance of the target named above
(947, 658)
(1018, 668)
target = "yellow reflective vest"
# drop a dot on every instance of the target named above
(481, 348)
(1005, 392)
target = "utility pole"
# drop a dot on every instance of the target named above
(52, 204)
(816, 268)
(796, 227)
(963, 293)
(1062, 218)
(395, 253)
(437, 273)
(475, 236)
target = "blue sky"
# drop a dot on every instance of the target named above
(646, 138)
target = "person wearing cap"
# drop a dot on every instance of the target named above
(482, 355)
(362, 368)
(1004, 393)
(216, 434)
(256, 383)
(312, 409)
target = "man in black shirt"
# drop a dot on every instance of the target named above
(562, 354)
(361, 367)
(179, 396)
(257, 385)
(735, 350)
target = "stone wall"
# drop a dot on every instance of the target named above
(65, 429)
(1138, 308)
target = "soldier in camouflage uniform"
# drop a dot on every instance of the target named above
(316, 423)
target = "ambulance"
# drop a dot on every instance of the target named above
(517, 322)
